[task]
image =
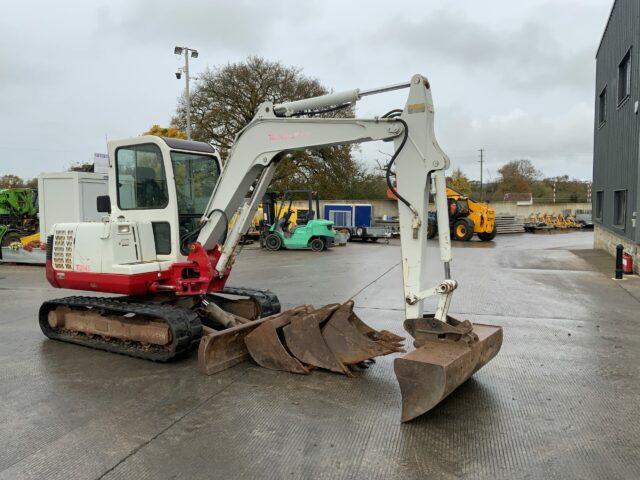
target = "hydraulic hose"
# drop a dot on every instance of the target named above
(394, 114)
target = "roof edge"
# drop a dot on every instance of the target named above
(606, 27)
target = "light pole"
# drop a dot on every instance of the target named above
(481, 171)
(194, 54)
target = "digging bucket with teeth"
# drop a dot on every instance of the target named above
(303, 336)
(331, 337)
(352, 341)
(446, 355)
(267, 348)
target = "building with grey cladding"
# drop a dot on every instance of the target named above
(616, 158)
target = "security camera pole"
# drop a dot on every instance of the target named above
(185, 70)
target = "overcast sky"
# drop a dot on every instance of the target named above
(516, 78)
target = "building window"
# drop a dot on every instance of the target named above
(599, 198)
(602, 106)
(624, 78)
(619, 208)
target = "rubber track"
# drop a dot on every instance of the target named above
(185, 326)
(267, 300)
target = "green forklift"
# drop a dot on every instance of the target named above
(308, 232)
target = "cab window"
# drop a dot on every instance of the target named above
(142, 183)
(195, 175)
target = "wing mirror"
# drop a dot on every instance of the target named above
(104, 204)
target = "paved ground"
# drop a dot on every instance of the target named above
(559, 401)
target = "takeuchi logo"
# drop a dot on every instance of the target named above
(287, 136)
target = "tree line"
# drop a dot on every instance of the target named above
(521, 176)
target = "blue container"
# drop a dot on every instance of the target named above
(349, 216)
(363, 215)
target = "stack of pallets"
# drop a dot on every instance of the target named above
(509, 224)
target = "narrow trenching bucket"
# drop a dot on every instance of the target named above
(305, 341)
(268, 350)
(446, 355)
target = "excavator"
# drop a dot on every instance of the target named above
(165, 246)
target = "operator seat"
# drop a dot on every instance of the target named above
(149, 189)
(283, 224)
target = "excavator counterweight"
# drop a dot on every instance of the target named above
(167, 246)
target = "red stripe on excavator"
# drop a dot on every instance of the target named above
(137, 284)
(196, 276)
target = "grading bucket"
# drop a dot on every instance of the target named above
(445, 357)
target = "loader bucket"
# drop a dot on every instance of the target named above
(439, 365)
(347, 342)
(267, 350)
(304, 339)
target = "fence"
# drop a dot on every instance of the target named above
(390, 207)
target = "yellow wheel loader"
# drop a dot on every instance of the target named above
(466, 218)
(166, 247)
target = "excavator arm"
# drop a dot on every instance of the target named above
(418, 161)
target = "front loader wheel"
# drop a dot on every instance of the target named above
(273, 242)
(317, 244)
(463, 230)
(488, 236)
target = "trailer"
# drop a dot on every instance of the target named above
(356, 221)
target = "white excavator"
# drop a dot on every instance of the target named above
(165, 246)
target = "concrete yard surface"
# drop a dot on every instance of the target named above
(559, 401)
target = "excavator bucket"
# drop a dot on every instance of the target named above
(446, 355)
(267, 349)
(332, 337)
(352, 341)
(390, 340)
(304, 339)
(223, 349)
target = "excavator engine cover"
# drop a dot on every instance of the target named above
(446, 355)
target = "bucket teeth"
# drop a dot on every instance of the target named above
(348, 343)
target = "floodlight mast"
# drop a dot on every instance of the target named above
(194, 54)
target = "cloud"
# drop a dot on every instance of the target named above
(230, 25)
(560, 143)
(513, 77)
(519, 55)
